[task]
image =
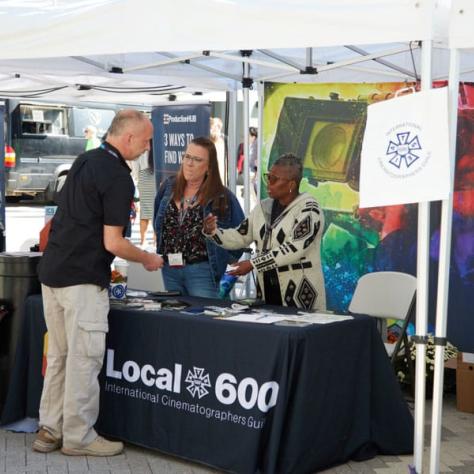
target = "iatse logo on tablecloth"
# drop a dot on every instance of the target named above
(198, 382)
(228, 390)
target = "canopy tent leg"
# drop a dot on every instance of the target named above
(422, 291)
(231, 98)
(246, 84)
(443, 273)
(260, 171)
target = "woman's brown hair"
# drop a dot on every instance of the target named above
(212, 188)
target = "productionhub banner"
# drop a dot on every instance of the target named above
(174, 127)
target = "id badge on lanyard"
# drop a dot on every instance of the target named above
(175, 259)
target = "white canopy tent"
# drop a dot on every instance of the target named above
(39, 28)
(140, 51)
(87, 46)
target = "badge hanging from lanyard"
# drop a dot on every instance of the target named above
(175, 259)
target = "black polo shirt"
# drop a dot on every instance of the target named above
(98, 191)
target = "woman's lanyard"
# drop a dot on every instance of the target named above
(269, 228)
(183, 212)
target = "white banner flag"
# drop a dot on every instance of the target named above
(405, 152)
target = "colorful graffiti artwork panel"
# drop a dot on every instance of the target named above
(323, 124)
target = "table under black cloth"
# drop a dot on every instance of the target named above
(338, 398)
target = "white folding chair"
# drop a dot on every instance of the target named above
(386, 295)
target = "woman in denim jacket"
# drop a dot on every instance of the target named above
(194, 264)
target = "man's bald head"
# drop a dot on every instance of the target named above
(130, 132)
(126, 119)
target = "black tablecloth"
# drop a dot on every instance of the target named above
(201, 389)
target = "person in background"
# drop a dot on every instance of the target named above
(217, 138)
(253, 163)
(193, 264)
(90, 133)
(253, 153)
(287, 229)
(87, 231)
(147, 190)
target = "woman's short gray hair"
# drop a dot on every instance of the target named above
(295, 164)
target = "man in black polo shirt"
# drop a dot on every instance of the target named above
(86, 233)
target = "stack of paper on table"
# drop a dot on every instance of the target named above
(269, 318)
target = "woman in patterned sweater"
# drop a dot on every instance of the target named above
(287, 229)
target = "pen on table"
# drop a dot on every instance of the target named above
(261, 317)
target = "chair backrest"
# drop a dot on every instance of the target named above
(384, 295)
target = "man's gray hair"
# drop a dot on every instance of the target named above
(291, 161)
(125, 119)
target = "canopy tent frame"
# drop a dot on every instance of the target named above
(443, 271)
(414, 12)
(91, 62)
(281, 58)
(460, 38)
(291, 67)
(295, 68)
(165, 62)
(205, 68)
(422, 275)
(383, 62)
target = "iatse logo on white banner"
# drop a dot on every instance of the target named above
(405, 152)
(248, 393)
(404, 155)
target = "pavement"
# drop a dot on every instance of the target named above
(16, 456)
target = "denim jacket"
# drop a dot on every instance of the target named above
(218, 257)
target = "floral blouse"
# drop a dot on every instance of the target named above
(182, 232)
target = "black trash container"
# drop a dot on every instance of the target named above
(18, 279)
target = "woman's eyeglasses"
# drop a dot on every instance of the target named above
(272, 178)
(192, 159)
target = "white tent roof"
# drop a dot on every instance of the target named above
(70, 46)
(32, 29)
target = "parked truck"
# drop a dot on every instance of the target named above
(42, 141)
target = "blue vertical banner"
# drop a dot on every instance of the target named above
(2, 180)
(174, 127)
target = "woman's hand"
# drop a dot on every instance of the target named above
(241, 268)
(210, 224)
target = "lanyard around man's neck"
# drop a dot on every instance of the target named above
(107, 148)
